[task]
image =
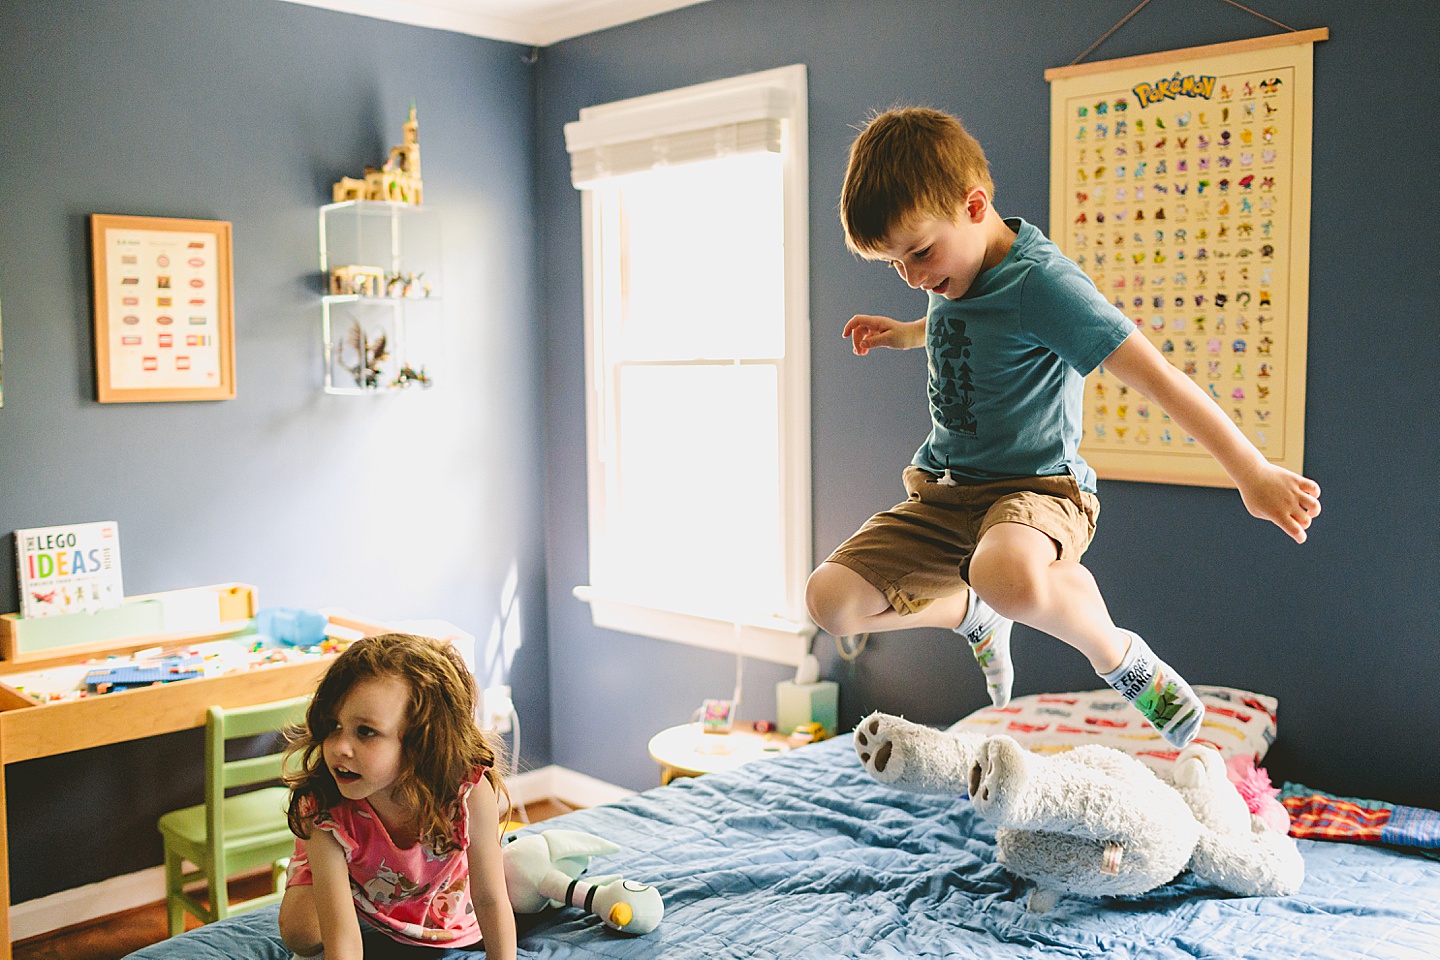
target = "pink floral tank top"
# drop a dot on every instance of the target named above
(415, 894)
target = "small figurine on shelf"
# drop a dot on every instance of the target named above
(368, 354)
(356, 281)
(397, 181)
(406, 285)
(409, 375)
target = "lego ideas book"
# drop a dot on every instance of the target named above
(68, 569)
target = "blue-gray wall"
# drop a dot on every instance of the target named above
(419, 505)
(1340, 629)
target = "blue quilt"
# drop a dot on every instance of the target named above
(804, 856)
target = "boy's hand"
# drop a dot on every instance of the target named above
(1286, 499)
(865, 332)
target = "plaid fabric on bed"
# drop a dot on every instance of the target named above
(1319, 817)
(1413, 827)
(1323, 816)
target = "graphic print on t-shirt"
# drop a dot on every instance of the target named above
(952, 383)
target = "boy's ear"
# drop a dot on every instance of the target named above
(977, 204)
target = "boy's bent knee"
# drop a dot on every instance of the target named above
(837, 596)
(1010, 588)
(1008, 568)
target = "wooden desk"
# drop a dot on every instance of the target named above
(29, 730)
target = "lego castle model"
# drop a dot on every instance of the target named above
(397, 181)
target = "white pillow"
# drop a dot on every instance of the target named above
(1237, 722)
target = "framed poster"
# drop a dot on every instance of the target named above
(1180, 183)
(164, 308)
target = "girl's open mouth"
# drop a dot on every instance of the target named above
(346, 776)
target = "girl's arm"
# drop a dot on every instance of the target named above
(339, 927)
(1270, 492)
(487, 874)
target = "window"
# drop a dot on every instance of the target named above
(697, 377)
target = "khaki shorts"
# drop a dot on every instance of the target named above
(920, 550)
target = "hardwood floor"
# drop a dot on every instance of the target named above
(120, 934)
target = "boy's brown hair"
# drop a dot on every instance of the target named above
(908, 162)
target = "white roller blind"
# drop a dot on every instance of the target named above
(598, 163)
(640, 134)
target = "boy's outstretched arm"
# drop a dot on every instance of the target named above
(1270, 492)
(865, 331)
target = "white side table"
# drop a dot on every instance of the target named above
(688, 751)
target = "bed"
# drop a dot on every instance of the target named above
(804, 856)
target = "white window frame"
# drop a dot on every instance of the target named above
(773, 94)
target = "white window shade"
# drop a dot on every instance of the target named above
(636, 135)
(691, 146)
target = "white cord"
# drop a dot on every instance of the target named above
(515, 761)
(515, 756)
(739, 673)
(846, 651)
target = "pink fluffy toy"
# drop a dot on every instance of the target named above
(1253, 785)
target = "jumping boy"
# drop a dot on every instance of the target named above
(1000, 503)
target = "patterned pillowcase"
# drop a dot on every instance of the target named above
(1237, 722)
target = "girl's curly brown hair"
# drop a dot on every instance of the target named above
(440, 746)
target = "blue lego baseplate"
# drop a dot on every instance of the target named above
(163, 671)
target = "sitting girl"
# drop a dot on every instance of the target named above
(395, 808)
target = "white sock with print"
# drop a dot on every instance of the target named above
(1161, 695)
(988, 634)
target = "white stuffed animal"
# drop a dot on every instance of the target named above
(1091, 821)
(542, 870)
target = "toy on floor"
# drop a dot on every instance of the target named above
(543, 869)
(1091, 821)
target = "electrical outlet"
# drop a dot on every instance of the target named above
(496, 708)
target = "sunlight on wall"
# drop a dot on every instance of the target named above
(492, 667)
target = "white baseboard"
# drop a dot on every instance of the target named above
(561, 783)
(94, 900)
(69, 907)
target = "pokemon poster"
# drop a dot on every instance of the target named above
(1180, 183)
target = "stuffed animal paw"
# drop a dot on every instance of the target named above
(912, 757)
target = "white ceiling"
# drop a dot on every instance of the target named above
(535, 22)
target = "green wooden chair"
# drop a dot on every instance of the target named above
(226, 836)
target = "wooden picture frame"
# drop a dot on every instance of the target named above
(164, 309)
(1180, 183)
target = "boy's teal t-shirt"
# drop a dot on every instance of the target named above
(1007, 365)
